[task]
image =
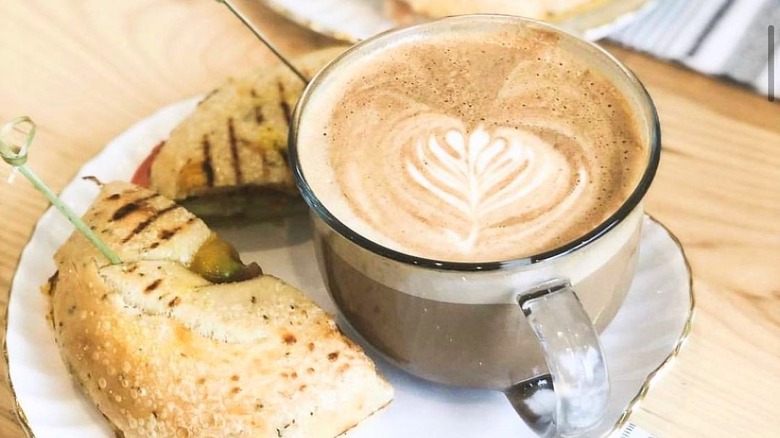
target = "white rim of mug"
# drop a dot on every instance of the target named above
(633, 200)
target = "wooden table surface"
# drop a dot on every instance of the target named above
(86, 70)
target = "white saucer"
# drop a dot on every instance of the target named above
(646, 333)
(355, 20)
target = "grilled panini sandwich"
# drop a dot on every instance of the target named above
(183, 339)
(230, 155)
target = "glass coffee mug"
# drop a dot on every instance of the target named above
(528, 327)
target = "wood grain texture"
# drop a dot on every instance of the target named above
(718, 189)
(86, 70)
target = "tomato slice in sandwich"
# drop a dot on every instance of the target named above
(143, 174)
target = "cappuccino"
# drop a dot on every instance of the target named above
(472, 146)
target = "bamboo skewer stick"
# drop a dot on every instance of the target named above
(256, 31)
(14, 152)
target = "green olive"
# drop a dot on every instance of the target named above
(218, 262)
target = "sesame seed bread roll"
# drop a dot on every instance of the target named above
(164, 352)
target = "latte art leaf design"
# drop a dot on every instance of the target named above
(479, 174)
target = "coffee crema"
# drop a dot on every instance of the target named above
(464, 148)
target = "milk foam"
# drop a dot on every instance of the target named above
(466, 148)
(479, 175)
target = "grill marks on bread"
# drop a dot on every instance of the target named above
(131, 212)
(234, 151)
(152, 286)
(240, 138)
(283, 105)
(141, 206)
(163, 352)
(128, 208)
(148, 221)
(257, 109)
(208, 168)
(237, 137)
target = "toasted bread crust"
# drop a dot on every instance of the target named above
(163, 352)
(237, 136)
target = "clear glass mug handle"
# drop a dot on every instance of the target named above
(572, 400)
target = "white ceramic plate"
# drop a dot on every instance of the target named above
(647, 332)
(354, 20)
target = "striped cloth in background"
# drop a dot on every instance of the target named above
(717, 37)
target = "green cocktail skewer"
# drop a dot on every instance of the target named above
(16, 155)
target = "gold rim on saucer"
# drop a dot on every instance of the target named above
(20, 415)
(686, 331)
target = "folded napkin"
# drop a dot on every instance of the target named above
(728, 38)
